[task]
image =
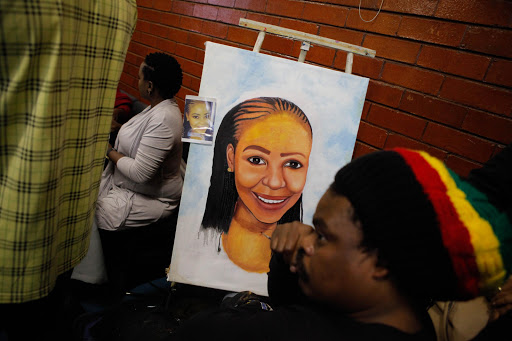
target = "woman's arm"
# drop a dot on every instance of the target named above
(155, 145)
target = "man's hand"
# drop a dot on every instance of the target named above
(286, 240)
(502, 301)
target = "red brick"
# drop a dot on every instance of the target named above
(190, 67)
(498, 150)
(242, 36)
(276, 44)
(133, 59)
(384, 93)
(147, 39)
(341, 34)
(186, 51)
(139, 49)
(399, 141)
(385, 23)
(214, 29)
(148, 15)
(433, 108)
(144, 3)
(197, 40)
(461, 166)
(191, 24)
(166, 45)
(372, 135)
(458, 142)
(159, 30)
(143, 26)
(421, 7)
(489, 41)
(412, 78)
(362, 66)
(182, 7)
(200, 56)
(285, 8)
(253, 5)
(206, 12)
(396, 121)
(493, 127)
(486, 12)
(361, 149)
(129, 80)
(316, 54)
(230, 16)
(454, 62)
(432, 31)
(178, 35)
(366, 108)
(225, 3)
(163, 5)
(477, 95)
(267, 19)
(392, 48)
(500, 73)
(297, 25)
(327, 14)
(170, 19)
(132, 70)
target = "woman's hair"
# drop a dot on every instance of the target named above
(222, 195)
(165, 73)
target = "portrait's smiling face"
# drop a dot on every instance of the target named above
(270, 162)
(198, 116)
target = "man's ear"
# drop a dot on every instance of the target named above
(230, 156)
(380, 270)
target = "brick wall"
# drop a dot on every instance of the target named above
(441, 80)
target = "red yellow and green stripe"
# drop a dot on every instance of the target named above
(469, 238)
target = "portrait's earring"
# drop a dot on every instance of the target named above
(230, 170)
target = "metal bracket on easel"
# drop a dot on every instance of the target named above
(307, 40)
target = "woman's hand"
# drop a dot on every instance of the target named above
(502, 302)
(286, 240)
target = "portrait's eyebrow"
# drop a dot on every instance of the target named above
(261, 149)
(294, 153)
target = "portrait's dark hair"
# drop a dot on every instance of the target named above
(222, 195)
(165, 73)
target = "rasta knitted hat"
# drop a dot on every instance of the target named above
(439, 236)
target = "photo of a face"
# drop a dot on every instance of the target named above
(198, 119)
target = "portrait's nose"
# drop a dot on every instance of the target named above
(274, 177)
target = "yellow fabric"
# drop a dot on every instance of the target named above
(484, 241)
(60, 64)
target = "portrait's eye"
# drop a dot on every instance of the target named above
(256, 160)
(195, 117)
(293, 164)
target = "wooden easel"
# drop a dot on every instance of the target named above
(307, 40)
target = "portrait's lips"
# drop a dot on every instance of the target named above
(271, 202)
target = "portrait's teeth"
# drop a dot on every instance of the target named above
(268, 201)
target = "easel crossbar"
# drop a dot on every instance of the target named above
(306, 37)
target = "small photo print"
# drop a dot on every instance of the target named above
(198, 119)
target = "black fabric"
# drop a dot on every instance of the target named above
(495, 180)
(138, 255)
(300, 321)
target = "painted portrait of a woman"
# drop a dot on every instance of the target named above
(260, 164)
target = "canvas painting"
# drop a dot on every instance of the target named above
(282, 130)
